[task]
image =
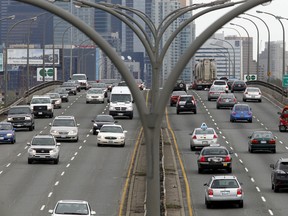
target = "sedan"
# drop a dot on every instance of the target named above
(203, 136)
(100, 120)
(214, 157)
(111, 135)
(226, 100)
(72, 207)
(175, 95)
(262, 140)
(70, 88)
(215, 91)
(95, 95)
(221, 83)
(241, 112)
(252, 93)
(56, 100)
(7, 133)
(186, 103)
(63, 94)
(223, 189)
(230, 82)
(238, 85)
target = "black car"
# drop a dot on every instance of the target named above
(279, 174)
(238, 85)
(214, 157)
(21, 116)
(63, 94)
(100, 120)
(186, 103)
(262, 141)
(230, 82)
(180, 86)
(71, 88)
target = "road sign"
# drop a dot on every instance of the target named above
(251, 77)
(285, 81)
(48, 72)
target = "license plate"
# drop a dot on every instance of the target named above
(263, 142)
(110, 142)
(182, 106)
(227, 100)
(225, 192)
(120, 114)
(63, 136)
(224, 164)
(18, 125)
(253, 96)
(204, 142)
(40, 113)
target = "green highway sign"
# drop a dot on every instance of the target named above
(251, 77)
(285, 80)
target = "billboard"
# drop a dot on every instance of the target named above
(1, 62)
(48, 72)
(19, 56)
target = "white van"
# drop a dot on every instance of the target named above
(121, 102)
(82, 79)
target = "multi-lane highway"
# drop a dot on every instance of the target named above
(252, 170)
(85, 171)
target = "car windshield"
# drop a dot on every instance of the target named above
(201, 132)
(253, 90)
(214, 151)
(111, 129)
(6, 127)
(64, 122)
(43, 141)
(121, 98)
(19, 110)
(263, 135)
(224, 183)
(98, 85)
(241, 108)
(177, 93)
(219, 83)
(53, 96)
(104, 119)
(95, 91)
(40, 100)
(185, 99)
(60, 90)
(217, 88)
(79, 77)
(284, 166)
(72, 208)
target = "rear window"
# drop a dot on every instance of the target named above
(185, 98)
(263, 135)
(241, 108)
(253, 90)
(214, 151)
(284, 166)
(207, 131)
(224, 183)
(227, 96)
(176, 93)
(219, 83)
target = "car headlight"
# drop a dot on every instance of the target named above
(58, 102)
(9, 134)
(121, 137)
(72, 132)
(95, 124)
(31, 151)
(111, 107)
(49, 107)
(27, 118)
(53, 151)
(9, 119)
(53, 131)
(129, 108)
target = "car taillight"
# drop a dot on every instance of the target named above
(246, 92)
(194, 137)
(239, 191)
(211, 92)
(219, 99)
(235, 100)
(210, 192)
(272, 141)
(215, 136)
(227, 158)
(202, 159)
(254, 141)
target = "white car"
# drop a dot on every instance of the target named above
(221, 83)
(203, 136)
(64, 128)
(223, 189)
(95, 95)
(111, 135)
(252, 93)
(56, 99)
(72, 207)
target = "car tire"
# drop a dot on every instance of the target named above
(99, 145)
(250, 120)
(274, 151)
(30, 161)
(200, 170)
(192, 148)
(240, 204)
(208, 204)
(209, 99)
(195, 111)
(56, 161)
(131, 116)
(123, 144)
(177, 112)
(217, 107)
(231, 120)
(244, 100)
(31, 128)
(259, 100)
(232, 91)
(282, 128)
(51, 115)
(229, 169)
(87, 102)
(276, 189)
(94, 132)
(272, 186)
(13, 141)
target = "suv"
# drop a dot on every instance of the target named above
(279, 174)
(21, 116)
(64, 128)
(180, 86)
(82, 78)
(186, 103)
(283, 120)
(43, 148)
(42, 105)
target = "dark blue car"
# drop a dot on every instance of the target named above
(7, 133)
(241, 112)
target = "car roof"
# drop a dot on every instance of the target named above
(283, 159)
(224, 177)
(43, 136)
(40, 96)
(112, 125)
(214, 146)
(73, 201)
(17, 106)
(5, 123)
(205, 129)
(64, 117)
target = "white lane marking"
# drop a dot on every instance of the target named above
(75, 153)
(280, 142)
(41, 132)
(90, 131)
(263, 198)
(80, 147)
(227, 142)
(62, 173)
(211, 116)
(84, 141)
(56, 183)
(72, 158)
(68, 165)
(50, 194)
(224, 137)
(241, 161)
(215, 123)
(207, 110)
(270, 212)
(252, 179)
(236, 154)
(25, 147)
(266, 128)
(258, 120)
(258, 189)
(19, 155)
(45, 127)
(208, 113)
(8, 164)
(42, 208)
(87, 135)
(286, 147)
(217, 128)
(246, 169)
(220, 132)
(232, 149)
(262, 124)
(1, 172)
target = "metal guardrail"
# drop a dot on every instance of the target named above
(29, 93)
(281, 91)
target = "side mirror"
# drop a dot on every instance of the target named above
(50, 124)
(28, 144)
(98, 131)
(272, 166)
(92, 120)
(93, 213)
(249, 137)
(205, 184)
(58, 144)
(279, 113)
(125, 131)
(50, 211)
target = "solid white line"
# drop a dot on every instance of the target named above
(263, 198)
(42, 208)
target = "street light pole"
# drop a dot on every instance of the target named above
(6, 55)
(268, 45)
(248, 56)
(234, 30)
(223, 47)
(257, 29)
(63, 65)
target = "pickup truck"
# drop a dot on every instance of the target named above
(283, 119)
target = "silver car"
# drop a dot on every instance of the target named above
(95, 95)
(72, 207)
(203, 136)
(252, 93)
(64, 128)
(223, 189)
(43, 148)
(215, 91)
(56, 99)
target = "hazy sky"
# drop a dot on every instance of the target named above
(276, 7)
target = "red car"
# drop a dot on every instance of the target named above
(175, 95)
(283, 120)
